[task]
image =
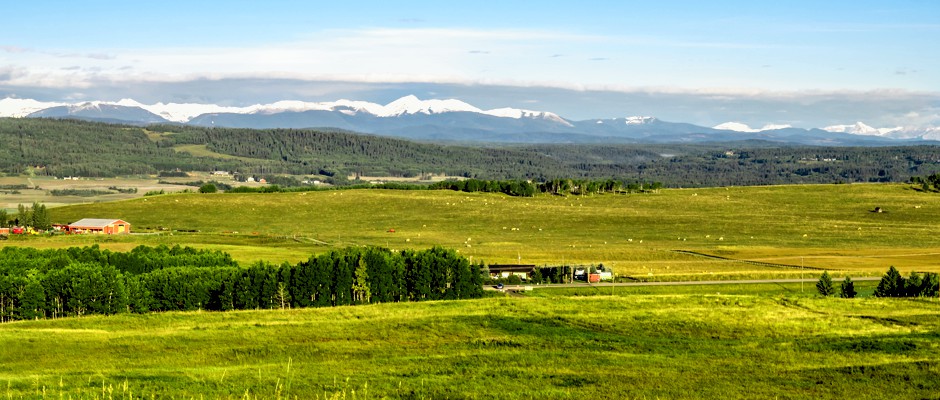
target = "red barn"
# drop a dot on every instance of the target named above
(100, 225)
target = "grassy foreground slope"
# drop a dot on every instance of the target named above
(826, 226)
(618, 347)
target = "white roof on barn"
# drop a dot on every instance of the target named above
(95, 222)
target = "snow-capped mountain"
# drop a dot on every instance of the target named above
(17, 108)
(453, 120)
(859, 128)
(101, 111)
(412, 105)
(742, 127)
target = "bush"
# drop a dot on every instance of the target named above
(208, 188)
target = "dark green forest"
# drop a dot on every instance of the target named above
(79, 148)
(79, 281)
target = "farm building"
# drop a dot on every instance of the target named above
(506, 270)
(100, 225)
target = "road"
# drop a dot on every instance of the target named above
(681, 283)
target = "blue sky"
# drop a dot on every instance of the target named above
(607, 57)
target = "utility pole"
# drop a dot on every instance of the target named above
(801, 274)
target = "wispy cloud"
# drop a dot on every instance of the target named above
(14, 49)
(511, 57)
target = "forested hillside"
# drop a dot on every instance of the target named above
(65, 147)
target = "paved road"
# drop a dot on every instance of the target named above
(682, 283)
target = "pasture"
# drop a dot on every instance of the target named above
(817, 226)
(719, 341)
(39, 189)
(554, 345)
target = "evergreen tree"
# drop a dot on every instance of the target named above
(360, 287)
(477, 274)
(848, 289)
(912, 285)
(4, 218)
(284, 278)
(930, 287)
(303, 287)
(891, 284)
(39, 218)
(824, 286)
(23, 215)
(323, 281)
(536, 276)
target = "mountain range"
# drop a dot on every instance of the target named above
(455, 120)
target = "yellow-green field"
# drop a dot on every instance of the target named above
(736, 341)
(688, 346)
(822, 226)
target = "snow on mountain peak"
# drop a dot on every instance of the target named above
(129, 103)
(859, 128)
(637, 120)
(742, 127)
(411, 104)
(18, 108)
(734, 126)
(88, 105)
(773, 127)
(517, 113)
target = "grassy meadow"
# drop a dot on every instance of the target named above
(552, 345)
(40, 188)
(818, 226)
(706, 341)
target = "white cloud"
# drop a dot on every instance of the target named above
(369, 55)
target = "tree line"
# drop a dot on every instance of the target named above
(81, 281)
(508, 187)
(929, 183)
(892, 284)
(36, 217)
(552, 186)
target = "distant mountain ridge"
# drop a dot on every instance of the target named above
(454, 120)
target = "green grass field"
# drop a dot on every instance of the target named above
(822, 226)
(552, 345)
(718, 341)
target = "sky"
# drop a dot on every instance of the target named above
(804, 63)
